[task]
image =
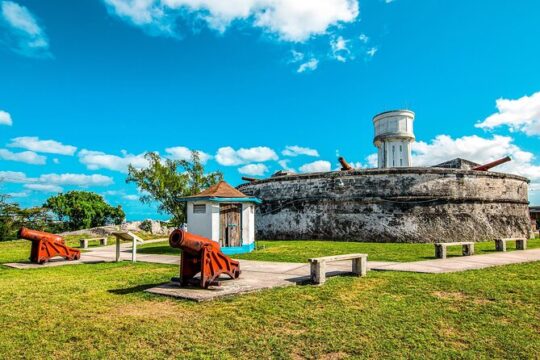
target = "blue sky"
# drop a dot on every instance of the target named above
(88, 86)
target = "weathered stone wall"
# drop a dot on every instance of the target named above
(392, 205)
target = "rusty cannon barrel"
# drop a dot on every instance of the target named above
(191, 243)
(345, 166)
(35, 235)
(203, 255)
(492, 164)
(46, 246)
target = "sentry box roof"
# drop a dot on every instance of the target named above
(221, 192)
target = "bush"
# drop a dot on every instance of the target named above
(146, 225)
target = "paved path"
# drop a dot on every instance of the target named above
(435, 266)
(462, 263)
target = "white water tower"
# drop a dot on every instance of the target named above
(393, 137)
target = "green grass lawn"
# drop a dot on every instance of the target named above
(101, 311)
(300, 251)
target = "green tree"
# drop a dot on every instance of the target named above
(165, 180)
(7, 218)
(83, 209)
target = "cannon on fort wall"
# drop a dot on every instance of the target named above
(46, 246)
(492, 164)
(203, 255)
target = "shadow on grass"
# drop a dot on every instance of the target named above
(134, 289)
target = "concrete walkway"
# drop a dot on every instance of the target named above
(435, 266)
(463, 263)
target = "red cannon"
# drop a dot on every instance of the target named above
(203, 255)
(46, 246)
(490, 165)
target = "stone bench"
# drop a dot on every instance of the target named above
(440, 248)
(84, 242)
(500, 244)
(318, 266)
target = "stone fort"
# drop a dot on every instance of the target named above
(396, 202)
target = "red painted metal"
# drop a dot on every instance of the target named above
(490, 165)
(203, 255)
(345, 166)
(46, 246)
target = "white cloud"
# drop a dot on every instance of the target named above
(95, 160)
(28, 157)
(131, 197)
(183, 153)
(20, 194)
(340, 49)
(33, 143)
(316, 166)
(309, 65)
(295, 21)
(228, 156)
(298, 150)
(480, 150)
(76, 179)
(372, 160)
(54, 182)
(363, 38)
(44, 187)
(13, 177)
(285, 165)
(522, 115)
(371, 52)
(5, 118)
(253, 169)
(21, 31)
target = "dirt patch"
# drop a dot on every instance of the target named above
(449, 295)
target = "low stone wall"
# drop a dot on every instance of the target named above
(392, 205)
(156, 228)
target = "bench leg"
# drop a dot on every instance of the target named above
(318, 272)
(83, 243)
(103, 241)
(500, 245)
(521, 244)
(359, 266)
(468, 250)
(440, 252)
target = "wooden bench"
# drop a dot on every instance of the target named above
(318, 266)
(500, 244)
(440, 248)
(84, 242)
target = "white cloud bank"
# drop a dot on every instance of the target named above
(54, 182)
(480, 150)
(28, 157)
(295, 150)
(33, 143)
(5, 118)
(521, 115)
(227, 156)
(94, 160)
(253, 169)
(316, 166)
(20, 31)
(288, 20)
(184, 153)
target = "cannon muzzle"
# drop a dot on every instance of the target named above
(492, 164)
(345, 166)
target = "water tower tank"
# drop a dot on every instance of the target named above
(393, 138)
